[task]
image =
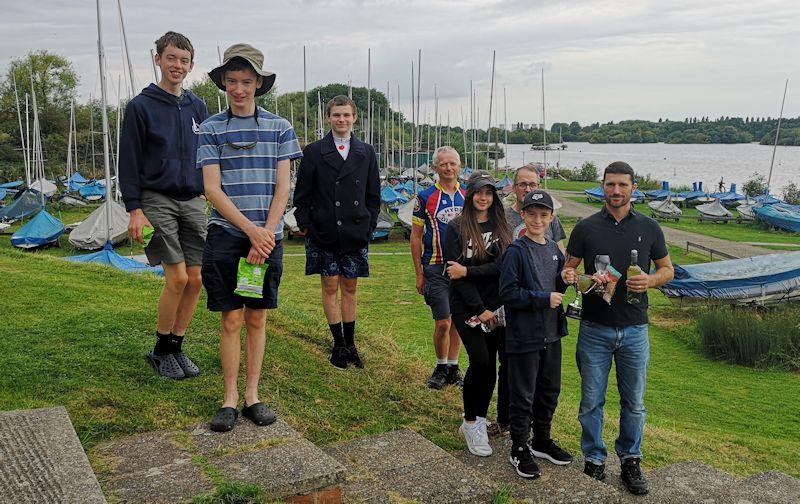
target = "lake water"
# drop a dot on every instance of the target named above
(680, 164)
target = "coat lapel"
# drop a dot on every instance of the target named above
(330, 155)
(354, 158)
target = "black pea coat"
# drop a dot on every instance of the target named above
(338, 200)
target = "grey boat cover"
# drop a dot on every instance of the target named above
(406, 212)
(665, 208)
(714, 210)
(91, 233)
(746, 212)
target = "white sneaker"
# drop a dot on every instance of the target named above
(476, 438)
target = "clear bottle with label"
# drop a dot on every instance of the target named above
(634, 270)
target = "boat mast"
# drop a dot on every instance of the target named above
(777, 134)
(153, 62)
(368, 133)
(104, 116)
(219, 57)
(305, 99)
(505, 130)
(125, 46)
(544, 134)
(489, 127)
(21, 131)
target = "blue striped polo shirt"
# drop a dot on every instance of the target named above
(248, 175)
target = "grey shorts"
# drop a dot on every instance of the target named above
(180, 229)
(436, 288)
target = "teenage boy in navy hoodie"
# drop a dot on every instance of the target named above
(532, 288)
(162, 189)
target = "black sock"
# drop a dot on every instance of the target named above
(349, 333)
(336, 331)
(163, 344)
(177, 343)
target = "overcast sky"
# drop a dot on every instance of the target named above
(602, 60)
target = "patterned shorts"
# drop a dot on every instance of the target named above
(325, 263)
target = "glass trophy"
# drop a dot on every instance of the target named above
(583, 286)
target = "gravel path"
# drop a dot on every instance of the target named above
(675, 237)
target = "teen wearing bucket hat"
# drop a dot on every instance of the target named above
(245, 154)
(475, 241)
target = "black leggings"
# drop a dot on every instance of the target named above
(481, 374)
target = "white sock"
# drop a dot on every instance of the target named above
(441, 362)
(453, 362)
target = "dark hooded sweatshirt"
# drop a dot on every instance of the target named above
(158, 146)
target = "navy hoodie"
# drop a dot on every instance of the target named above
(158, 146)
(524, 305)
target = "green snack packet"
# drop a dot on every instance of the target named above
(147, 234)
(250, 279)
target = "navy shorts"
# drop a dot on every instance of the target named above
(325, 263)
(221, 267)
(436, 288)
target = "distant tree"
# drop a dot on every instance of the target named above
(791, 194)
(54, 80)
(755, 185)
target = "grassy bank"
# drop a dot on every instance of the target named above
(75, 335)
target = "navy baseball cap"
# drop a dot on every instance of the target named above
(537, 197)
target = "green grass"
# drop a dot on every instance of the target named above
(733, 231)
(570, 185)
(75, 335)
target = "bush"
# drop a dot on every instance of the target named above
(791, 194)
(760, 339)
(586, 173)
(755, 185)
(647, 183)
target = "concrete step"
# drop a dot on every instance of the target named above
(42, 460)
(402, 466)
(768, 488)
(176, 466)
(558, 484)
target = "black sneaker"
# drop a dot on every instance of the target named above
(596, 471)
(454, 376)
(353, 357)
(339, 357)
(548, 449)
(523, 462)
(439, 377)
(633, 477)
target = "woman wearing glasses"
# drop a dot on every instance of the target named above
(474, 244)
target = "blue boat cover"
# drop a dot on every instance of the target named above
(767, 199)
(751, 277)
(39, 231)
(23, 207)
(781, 216)
(3, 192)
(390, 197)
(504, 182)
(659, 194)
(595, 192)
(92, 189)
(11, 185)
(108, 257)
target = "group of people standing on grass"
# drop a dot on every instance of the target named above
(493, 277)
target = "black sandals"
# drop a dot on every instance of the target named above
(259, 414)
(224, 420)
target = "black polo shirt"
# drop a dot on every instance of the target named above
(601, 234)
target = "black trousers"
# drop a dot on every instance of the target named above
(535, 382)
(502, 384)
(481, 375)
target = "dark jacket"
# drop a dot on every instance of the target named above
(338, 200)
(479, 290)
(158, 146)
(525, 306)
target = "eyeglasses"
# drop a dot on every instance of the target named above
(240, 146)
(527, 185)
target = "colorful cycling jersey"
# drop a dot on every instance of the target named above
(433, 210)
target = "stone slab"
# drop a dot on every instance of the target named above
(288, 469)
(558, 484)
(768, 488)
(42, 460)
(245, 436)
(148, 468)
(402, 466)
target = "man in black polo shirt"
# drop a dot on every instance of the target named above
(616, 331)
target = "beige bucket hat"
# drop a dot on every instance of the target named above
(252, 56)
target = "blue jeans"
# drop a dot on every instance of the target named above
(629, 347)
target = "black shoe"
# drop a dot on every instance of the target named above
(454, 376)
(523, 462)
(165, 365)
(439, 377)
(190, 369)
(353, 357)
(548, 449)
(633, 477)
(596, 471)
(339, 357)
(496, 429)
